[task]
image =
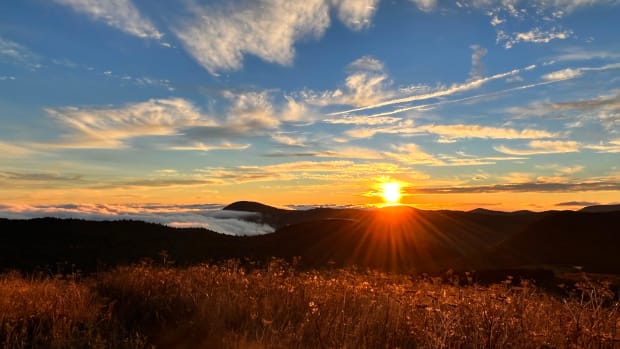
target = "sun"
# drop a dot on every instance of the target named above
(391, 192)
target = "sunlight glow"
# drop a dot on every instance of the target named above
(391, 192)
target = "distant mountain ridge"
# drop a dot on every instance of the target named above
(601, 208)
(398, 238)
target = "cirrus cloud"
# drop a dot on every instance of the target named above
(119, 14)
(219, 37)
(542, 147)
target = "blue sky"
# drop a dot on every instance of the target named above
(497, 104)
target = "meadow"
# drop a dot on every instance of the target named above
(234, 305)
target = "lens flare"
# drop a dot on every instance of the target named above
(391, 192)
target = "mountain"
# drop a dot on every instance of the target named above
(397, 238)
(252, 206)
(567, 238)
(279, 218)
(601, 208)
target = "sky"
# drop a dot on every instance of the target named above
(151, 106)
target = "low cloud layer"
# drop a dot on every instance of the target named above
(208, 216)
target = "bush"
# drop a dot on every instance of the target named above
(278, 307)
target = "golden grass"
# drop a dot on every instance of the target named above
(226, 306)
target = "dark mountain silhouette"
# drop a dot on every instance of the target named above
(601, 208)
(279, 218)
(567, 238)
(252, 206)
(397, 238)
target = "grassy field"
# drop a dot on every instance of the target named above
(227, 306)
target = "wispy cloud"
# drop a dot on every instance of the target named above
(16, 53)
(425, 5)
(13, 150)
(411, 154)
(577, 203)
(563, 74)
(477, 65)
(545, 187)
(119, 14)
(110, 127)
(362, 120)
(478, 131)
(572, 73)
(251, 110)
(218, 37)
(38, 177)
(366, 83)
(356, 14)
(452, 132)
(290, 140)
(535, 36)
(542, 147)
(199, 146)
(612, 146)
(581, 54)
(455, 88)
(184, 124)
(602, 110)
(331, 171)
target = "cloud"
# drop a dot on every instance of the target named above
(425, 5)
(612, 146)
(542, 147)
(563, 74)
(577, 203)
(411, 154)
(452, 132)
(334, 171)
(572, 73)
(209, 216)
(218, 37)
(155, 183)
(367, 63)
(38, 177)
(249, 114)
(455, 88)
(602, 110)
(353, 153)
(111, 127)
(362, 120)
(291, 141)
(199, 146)
(535, 36)
(13, 52)
(572, 5)
(404, 128)
(568, 170)
(544, 187)
(477, 65)
(12, 150)
(339, 153)
(509, 17)
(186, 127)
(580, 54)
(356, 14)
(251, 110)
(119, 14)
(458, 131)
(366, 83)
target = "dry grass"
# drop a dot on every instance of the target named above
(226, 306)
